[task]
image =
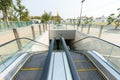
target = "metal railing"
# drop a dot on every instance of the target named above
(74, 73)
(14, 24)
(109, 51)
(47, 62)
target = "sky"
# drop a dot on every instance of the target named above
(71, 8)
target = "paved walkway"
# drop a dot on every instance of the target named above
(107, 34)
(42, 39)
(8, 35)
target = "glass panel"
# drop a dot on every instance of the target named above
(70, 27)
(7, 54)
(115, 57)
(110, 52)
(58, 27)
(25, 32)
(94, 30)
(28, 45)
(6, 36)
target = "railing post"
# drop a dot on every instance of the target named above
(18, 40)
(74, 25)
(43, 28)
(88, 29)
(82, 28)
(100, 33)
(46, 26)
(66, 26)
(49, 26)
(39, 29)
(33, 32)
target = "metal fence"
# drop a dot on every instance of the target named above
(15, 24)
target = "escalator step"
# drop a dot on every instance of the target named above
(29, 75)
(81, 61)
(90, 75)
(31, 69)
(86, 70)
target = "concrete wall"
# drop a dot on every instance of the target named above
(67, 34)
(79, 35)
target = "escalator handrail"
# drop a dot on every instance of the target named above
(47, 62)
(20, 39)
(74, 73)
(96, 38)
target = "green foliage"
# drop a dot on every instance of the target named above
(112, 18)
(88, 20)
(25, 16)
(35, 17)
(15, 11)
(56, 18)
(45, 17)
(21, 12)
(4, 7)
(5, 4)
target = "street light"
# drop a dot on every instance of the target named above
(79, 20)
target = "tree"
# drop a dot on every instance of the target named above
(112, 18)
(13, 14)
(21, 12)
(45, 17)
(88, 20)
(56, 18)
(4, 7)
(25, 16)
(35, 17)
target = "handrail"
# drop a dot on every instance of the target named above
(96, 38)
(47, 62)
(19, 39)
(70, 61)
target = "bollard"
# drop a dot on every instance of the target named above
(74, 25)
(39, 29)
(88, 29)
(100, 32)
(33, 32)
(82, 28)
(43, 28)
(18, 40)
(46, 26)
(66, 26)
(49, 26)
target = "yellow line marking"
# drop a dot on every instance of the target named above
(31, 69)
(81, 61)
(85, 70)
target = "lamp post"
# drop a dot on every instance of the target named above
(79, 20)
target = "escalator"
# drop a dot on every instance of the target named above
(33, 68)
(36, 66)
(59, 63)
(85, 68)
